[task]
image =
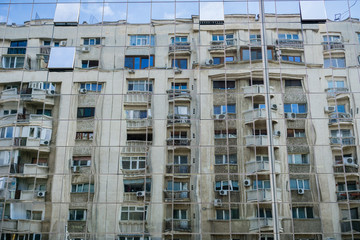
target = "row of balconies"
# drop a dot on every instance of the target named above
(28, 94)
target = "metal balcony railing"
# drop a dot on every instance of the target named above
(180, 46)
(351, 195)
(290, 43)
(178, 168)
(328, 46)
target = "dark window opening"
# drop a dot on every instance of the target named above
(85, 112)
(139, 62)
(139, 137)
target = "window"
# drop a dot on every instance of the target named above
(92, 41)
(138, 114)
(225, 159)
(82, 188)
(13, 62)
(133, 163)
(264, 213)
(296, 184)
(220, 38)
(259, 106)
(261, 184)
(291, 58)
(289, 36)
(133, 213)
(335, 62)
(179, 39)
(298, 158)
(262, 158)
(5, 157)
(178, 135)
(82, 161)
(180, 159)
(89, 63)
(341, 133)
(222, 214)
(221, 60)
(296, 133)
(136, 185)
(140, 86)
(93, 87)
(224, 109)
(177, 186)
(227, 185)
(223, 84)
(255, 54)
(6, 132)
(255, 38)
(179, 86)
(181, 110)
(228, 133)
(133, 238)
(33, 215)
(139, 62)
(293, 83)
(295, 108)
(348, 186)
(336, 84)
(331, 38)
(302, 212)
(358, 37)
(180, 214)
(142, 40)
(10, 111)
(179, 63)
(259, 132)
(46, 112)
(84, 135)
(85, 112)
(77, 215)
(17, 47)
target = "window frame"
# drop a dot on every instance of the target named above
(307, 211)
(83, 115)
(175, 63)
(147, 85)
(304, 182)
(75, 211)
(134, 159)
(96, 41)
(133, 209)
(226, 159)
(81, 186)
(131, 62)
(91, 87)
(15, 62)
(292, 159)
(137, 40)
(84, 136)
(85, 64)
(229, 183)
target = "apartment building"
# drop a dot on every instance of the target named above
(170, 131)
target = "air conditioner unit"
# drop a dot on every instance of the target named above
(329, 109)
(177, 71)
(290, 116)
(36, 85)
(223, 192)
(41, 194)
(222, 116)
(50, 91)
(274, 107)
(349, 161)
(217, 203)
(44, 142)
(301, 191)
(85, 49)
(209, 62)
(62, 43)
(131, 71)
(140, 194)
(82, 90)
(277, 133)
(247, 182)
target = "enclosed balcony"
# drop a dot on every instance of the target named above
(136, 146)
(27, 119)
(176, 195)
(228, 44)
(251, 91)
(11, 94)
(290, 43)
(352, 225)
(257, 114)
(262, 195)
(137, 98)
(260, 140)
(261, 166)
(180, 48)
(31, 143)
(341, 118)
(178, 119)
(179, 94)
(337, 92)
(262, 224)
(37, 95)
(344, 141)
(178, 169)
(138, 123)
(178, 225)
(330, 46)
(35, 170)
(351, 195)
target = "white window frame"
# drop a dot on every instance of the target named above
(262, 158)
(177, 108)
(303, 184)
(183, 186)
(32, 215)
(132, 159)
(8, 65)
(334, 84)
(222, 183)
(340, 133)
(180, 213)
(145, 83)
(256, 184)
(331, 38)
(141, 40)
(4, 132)
(89, 86)
(130, 114)
(223, 214)
(225, 158)
(291, 36)
(173, 136)
(305, 212)
(142, 209)
(224, 135)
(92, 38)
(75, 211)
(177, 159)
(293, 159)
(81, 186)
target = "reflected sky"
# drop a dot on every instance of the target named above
(140, 11)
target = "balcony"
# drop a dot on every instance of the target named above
(132, 226)
(351, 195)
(251, 91)
(135, 146)
(138, 123)
(45, 50)
(36, 95)
(262, 224)
(260, 140)
(177, 225)
(262, 195)
(338, 92)
(228, 44)
(178, 141)
(345, 168)
(30, 195)
(257, 114)
(137, 98)
(9, 95)
(180, 48)
(177, 119)
(261, 166)
(341, 118)
(176, 195)
(179, 94)
(30, 143)
(290, 43)
(178, 168)
(31, 119)
(330, 46)
(34, 170)
(350, 225)
(255, 42)
(345, 141)
(133, 197)
(23, 225)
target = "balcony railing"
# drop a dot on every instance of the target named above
(138, 123)
(328, 46)
(36, 170)
(218, 45)
(261, 166)
(262, 195)
(257, 114)
(178, 168)
(290, 43)
(179, 119)
(351, 195)
(177, 225)
(178, 93)
(340, 118)
(9, 94)
(350, 225)
(178, 141)
(177, 195)
(135, 146)
(332, 92)
(346, 168)
(342, 140)
(260, 140)
(255, 41)
(180, 46)
(256, 89)
(137, 97)
(257, 224)
(43, 120)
